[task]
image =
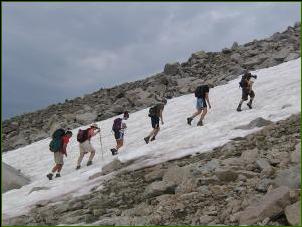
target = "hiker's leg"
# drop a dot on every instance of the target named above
(55, 168)
(80, 158)
(92, 152)
(252, 96)
(59, 167)
(204, 112)
(119, 144)
(196, 113)
(156, 131)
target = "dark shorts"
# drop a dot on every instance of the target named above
(118, 135)
(201, 103)
(155, 121)
(246, 94)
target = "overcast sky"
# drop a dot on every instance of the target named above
(54, 51)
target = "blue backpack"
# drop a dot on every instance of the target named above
(56, 142)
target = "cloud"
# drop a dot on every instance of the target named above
(64, 50)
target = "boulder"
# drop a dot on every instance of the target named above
(293, 214)
(272, 204)
(116, 164)
(258, 122)
(292, 56)
(226, 175)
(12, 178)
(289, 177)
(158, 188)
(249, 156)
(172, 69)
(295, 156)
(177, 175)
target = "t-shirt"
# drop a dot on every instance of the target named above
(65, 140)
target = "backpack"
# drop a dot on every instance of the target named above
(199, 91)
(82, 135)
(56, 142)
(243, 83)
(117, 124)
(152, 111)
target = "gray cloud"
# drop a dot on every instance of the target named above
(54, 51)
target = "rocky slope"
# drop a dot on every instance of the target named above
(176, 79)
(252, 180)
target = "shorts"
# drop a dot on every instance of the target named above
(155, 121)
(58, 156)
(118, 135)
(201, 103)
(86, 147)
(246, 93)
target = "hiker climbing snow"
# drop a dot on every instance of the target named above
(246, 84)
(85, 145)
(202, 98)
(58, 146)
(118, 129)
(156, 114)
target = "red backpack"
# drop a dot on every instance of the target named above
(82, 135)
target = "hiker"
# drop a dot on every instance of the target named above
(58, 146)
(85, 145)
(119, 130)
(156, 114)
(246, 84)
(202, 98)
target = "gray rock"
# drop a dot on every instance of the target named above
(249, 156)
(12, 178)
(235, 45)
(116, 164)
(295, 156)
(263, 185)
(226, 175)
(172, 69)
(158, 188)
(86, 118)
(177, 175)
(289, 177)
(293, 214)
(271, 205)
(154, 175)
(258, 122)
(292, 56)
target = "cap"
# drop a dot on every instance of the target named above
(94, 125)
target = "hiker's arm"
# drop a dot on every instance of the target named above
(208, 100)
(161, 116)
(250, 85)
(64, 149)
(96, 132)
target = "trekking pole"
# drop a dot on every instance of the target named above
(101, 144)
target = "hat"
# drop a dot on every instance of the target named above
(94, 125)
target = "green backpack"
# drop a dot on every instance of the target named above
(56, 142)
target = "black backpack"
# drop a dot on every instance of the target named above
(117, 124)
(199, 91)
(243, 83)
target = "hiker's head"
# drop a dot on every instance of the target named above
(94, 126)
(126, 115)
(68, 133)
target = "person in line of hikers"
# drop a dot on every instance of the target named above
(156, 114)
(246, 84)
(119, 130)
(202, 98)
(58, 146)
(85, 145)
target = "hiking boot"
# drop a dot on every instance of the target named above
(189, 120)
(239, 108)
(58, 175)
(147, 139)
(78, 167)
(249, 104)
(49, 176)
(89, 163)
(153, 138)
(200, 123)
(113, 151)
